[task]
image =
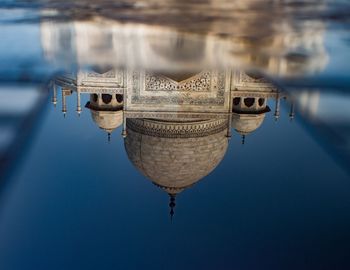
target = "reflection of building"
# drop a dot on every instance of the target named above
(285, 50)
(176, 128)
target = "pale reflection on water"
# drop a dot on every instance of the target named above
(268, 36)
(108, 43)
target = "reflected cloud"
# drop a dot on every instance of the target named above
(278, 48)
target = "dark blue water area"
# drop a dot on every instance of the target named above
(76, 202)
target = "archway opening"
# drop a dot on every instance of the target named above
(249, 102)
(236, 101)
(106, 98)
(261, 101)
(119, 98)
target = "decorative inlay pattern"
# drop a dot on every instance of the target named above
(215, 96)
(246, 78)
(198, 83)
(108, 74)
(176, 130)
(101, 90)
(255, 94)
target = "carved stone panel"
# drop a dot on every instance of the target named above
(244, 82)
(109, 79)
(205, 91)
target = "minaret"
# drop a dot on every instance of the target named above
(229, 124)
(64, 104)
(54, 96)
(277, 108)
(124, 132)
(78, 103)
(172, 205)
(291, 112)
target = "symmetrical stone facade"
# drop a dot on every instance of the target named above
(206, 91)
(176, 131)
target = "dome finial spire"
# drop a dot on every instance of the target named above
(109, 137)
(54, 96)
(277, 108)
(78, 103)
(243, 139)
(172, 206)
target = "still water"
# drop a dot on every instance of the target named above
(174, 135)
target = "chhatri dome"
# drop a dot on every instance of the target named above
(106, 111)
(247, 123)
(176, 155)
(107, 120)
(248, 114)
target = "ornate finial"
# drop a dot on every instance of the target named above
(54, 96)
(277, 108)
(172, 205)
(243, 139)
(64, 114)
(109, 137)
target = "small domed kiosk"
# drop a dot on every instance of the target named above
(106, 111)
(248, 114)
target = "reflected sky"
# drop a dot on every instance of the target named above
(77, 201)
(63, 209)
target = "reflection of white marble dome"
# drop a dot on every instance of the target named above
(175, 155)
(107, 120)
(247, 123)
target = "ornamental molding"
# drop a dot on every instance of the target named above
(177, 130)
(100, 90)
(176, 115)
(109, 74)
